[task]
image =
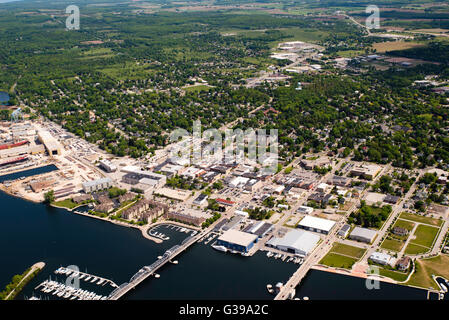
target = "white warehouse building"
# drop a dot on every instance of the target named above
(316, 224)
(299, 242)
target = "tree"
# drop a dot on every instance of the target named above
(49, 196)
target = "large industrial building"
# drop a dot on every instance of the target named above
(295, 241)
(97, 185)
(51, 144)
(237, 240)
(22, 150)
(316, 224)
(135, 175)
(363, 235)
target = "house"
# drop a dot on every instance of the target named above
(399, 231)
(391, 199)
(126, 197)
(403, 263)
(105, 207)
(82, 198)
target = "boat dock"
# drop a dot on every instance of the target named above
(85, 276)
(67, 292)
(147, 271)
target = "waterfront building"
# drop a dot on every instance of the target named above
(237, 240)
(316, 224)
(295, 241)
(185, 218)
(81, 198)
(381, 258)
(260, 228)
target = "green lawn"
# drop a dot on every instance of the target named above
(425, 235)
(425, 268)
(418, 218)
(347, 250)
(391, 244)
(338, 261)
(404, 224)
(69, 204)
(415, 249)
(395, 275)
(197, 88)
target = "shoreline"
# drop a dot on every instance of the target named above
(33, 271)
(346, 272)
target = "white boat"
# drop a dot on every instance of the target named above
(220, 248)
(82, 276)
(443, 287)
(94, 279)
(88, 278)
(100, 281)
(270, 288)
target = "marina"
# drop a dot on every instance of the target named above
(64, 291)
(85, 276)
(55, 234)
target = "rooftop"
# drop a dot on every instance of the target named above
(317, 223)
(238, 237)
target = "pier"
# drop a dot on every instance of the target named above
(68, 292)
(85, 276)
(148, 271)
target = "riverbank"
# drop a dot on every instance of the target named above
(20, 281)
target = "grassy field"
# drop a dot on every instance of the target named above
(404, 224)
(413, 249)
(347, 250)
(395, 275)
(350, 53)
(382, 47)
(338, 261)
(69, 204)
(197, 88)
(425, 235)
(426, 267)
(391, 244)
(342, 256)
(418, 218)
